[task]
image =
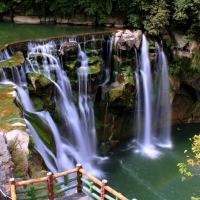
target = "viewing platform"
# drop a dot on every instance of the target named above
(82, 186)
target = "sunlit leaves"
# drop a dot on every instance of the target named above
(192, 167)
(157, 20)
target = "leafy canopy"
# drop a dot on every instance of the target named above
(151, 15)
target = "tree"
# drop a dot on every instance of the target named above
(158, 17)
(192, 166)
(187, 14)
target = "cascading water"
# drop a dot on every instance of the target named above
(79, 142)
(107, 66)
(86, 108)
(162, 100)
(2, 75)
(4, 55)
(75, 140)
(148, 98)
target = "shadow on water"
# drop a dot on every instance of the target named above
(140, 177)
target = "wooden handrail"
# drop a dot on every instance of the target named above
(109, 189)
(43, 179)
(50, 178)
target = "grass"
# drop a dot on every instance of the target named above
(19, 158)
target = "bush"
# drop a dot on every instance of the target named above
(19, 158)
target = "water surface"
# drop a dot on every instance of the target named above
(143, 178)
(11, 32)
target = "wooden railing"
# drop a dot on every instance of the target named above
(51, 187)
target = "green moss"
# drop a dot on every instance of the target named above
(9, 113)
(15, 60)
(43, 130)
(94, 66)
(181, 67)
(70, 65)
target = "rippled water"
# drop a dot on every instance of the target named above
(157, 179)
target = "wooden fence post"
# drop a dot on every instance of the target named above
(103, 191)
(50, 185)
(79, 176)
(12, 189)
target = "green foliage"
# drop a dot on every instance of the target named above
(151, 15)
(3, 7)
(135, 20)
(19, 158)
(192, 166)
(182, 9)
(195, 66)
(157, 20)
(31, 147)
(187, 12)
(180, 67)
(62, 8)
(109, 6)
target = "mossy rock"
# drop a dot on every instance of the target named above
(37, 103)
(10, 114)
(107, 146)
(70, 65)
(37, 81)
(94, 66)
(116, 92)
(43, 130)
(16, 60)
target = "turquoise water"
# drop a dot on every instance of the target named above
(143, 178)
(11, 32)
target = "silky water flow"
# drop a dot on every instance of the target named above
(76, 140)
(152, 102)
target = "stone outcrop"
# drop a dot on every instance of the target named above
(117, 21)
(26, 19)
(6, 164)
(180, 47)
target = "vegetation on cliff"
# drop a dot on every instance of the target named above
(153, 16)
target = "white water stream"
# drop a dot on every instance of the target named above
(76, 140)
(152, 104)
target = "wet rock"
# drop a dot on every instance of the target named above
(69, 51)
(6, 166)
(22, 136)
(7, 18)
(19, 19)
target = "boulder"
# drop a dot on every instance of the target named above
(138, 37)
(6, 165)
(82, 20)
(69, 51)
(22, 136)
(182, 48)
(7, 18)
(19, 19)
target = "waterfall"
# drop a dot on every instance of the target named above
(2, 75)
(107, 66)
(86, 108)
(137, 113)
(80, 141)
(4, 55)
(152, 104)
(162, 101)
(75, 140)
